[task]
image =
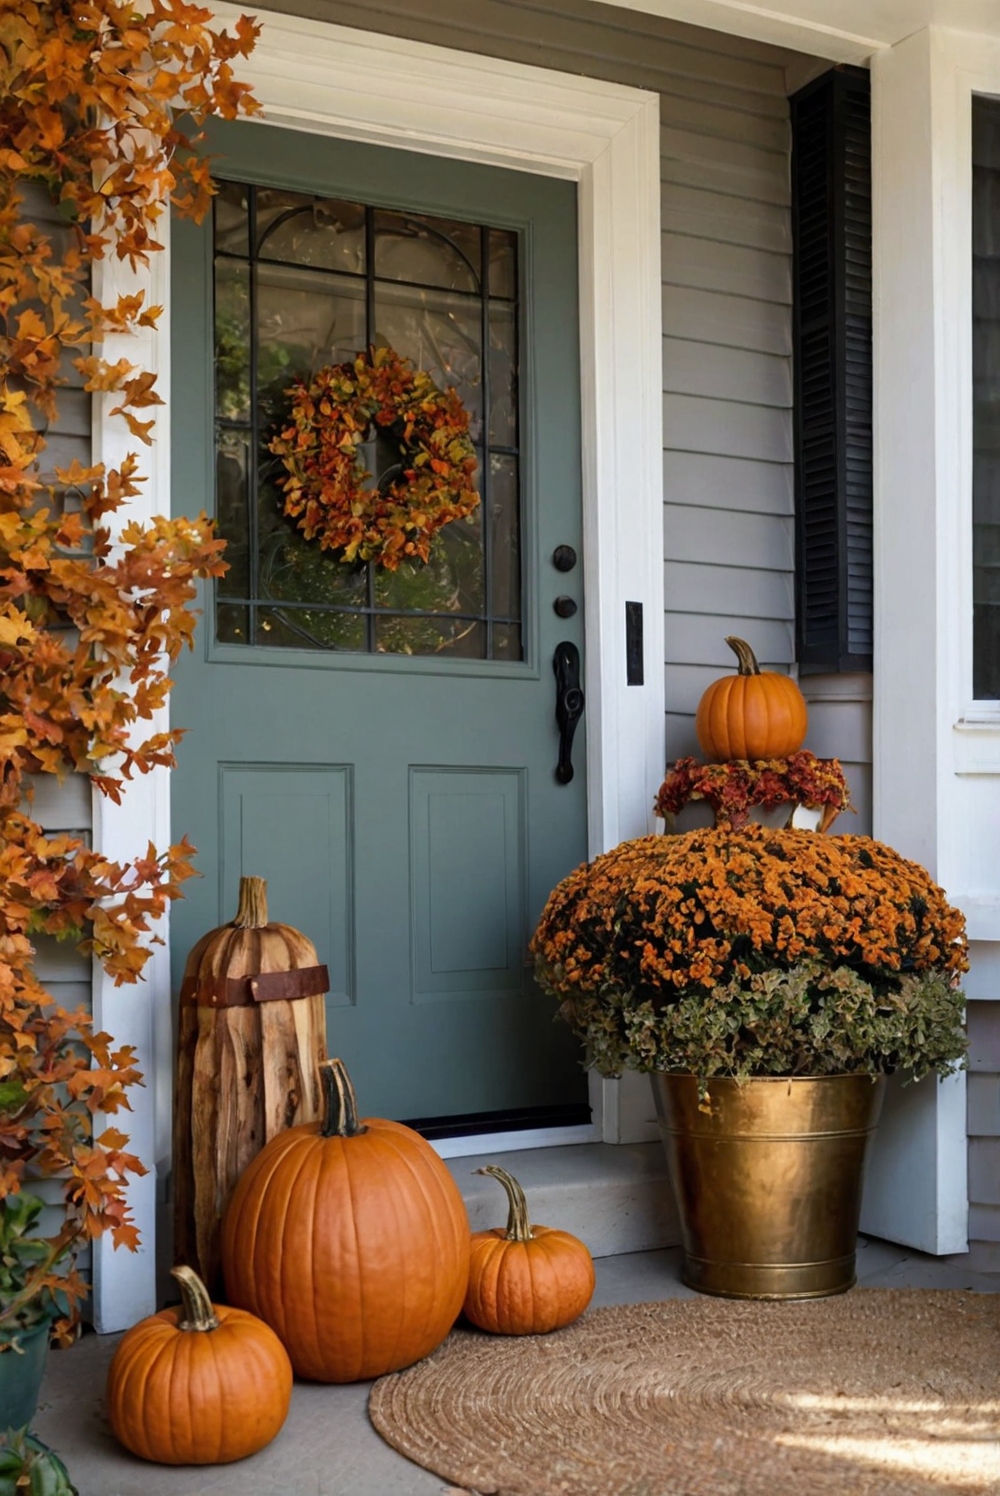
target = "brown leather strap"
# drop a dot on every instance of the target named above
(266, 987)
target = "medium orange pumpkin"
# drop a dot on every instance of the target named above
(350, 1239)
(199, 1385)
(526, 1280)
(754, 714)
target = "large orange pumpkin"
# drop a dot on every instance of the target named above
(754, 714)
(350, 1239)
(526, 1280)
(199, 1385)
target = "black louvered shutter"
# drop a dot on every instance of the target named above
(832, 238)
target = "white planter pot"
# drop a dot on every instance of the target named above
(698, 816)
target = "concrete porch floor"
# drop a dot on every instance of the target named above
(328, 1447)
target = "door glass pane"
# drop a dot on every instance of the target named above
(986, 397)
(439, 332)
(305, 282)
(299, 230)
(427, 251)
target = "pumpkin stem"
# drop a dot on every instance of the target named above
(745, 655)
(340, 1105)
(518, 1225)
(252, 911)
(198, 1312)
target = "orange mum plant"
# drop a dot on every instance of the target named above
(89, 94)
(756, 953)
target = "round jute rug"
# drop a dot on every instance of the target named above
(885, 1392)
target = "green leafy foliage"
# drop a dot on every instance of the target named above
(29, 1468)
(25, 1258)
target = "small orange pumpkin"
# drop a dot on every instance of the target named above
(526, 1280)
(350, 1239)
(199, 1385)
(753, 715)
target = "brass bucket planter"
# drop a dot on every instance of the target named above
(768, 1183)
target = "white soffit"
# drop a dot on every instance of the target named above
(842, 30)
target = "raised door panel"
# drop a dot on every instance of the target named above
(467, 866)
(292, 824)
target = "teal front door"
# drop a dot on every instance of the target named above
(380, 745)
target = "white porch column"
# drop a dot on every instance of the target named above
(917, 1189)
(124, 1282)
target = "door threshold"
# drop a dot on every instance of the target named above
(515, 1140)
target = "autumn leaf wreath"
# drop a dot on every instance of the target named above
(326, 485)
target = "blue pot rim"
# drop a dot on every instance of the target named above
(25, 1337)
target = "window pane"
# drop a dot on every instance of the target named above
(427, 251)
(441, 333)
(295, 291)
(503, 375)
(231, 624)
(301, 230)
(305, 319)
(503, 263)
(986, 397)
(451, 638)
(450, 582)
(230, 206)
(505, 555)
(293, 569)
(232, 340)
(304, 628)
(232, 509)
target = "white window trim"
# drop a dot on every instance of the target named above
(310, 75)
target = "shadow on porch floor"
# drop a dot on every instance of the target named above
(328, 1447)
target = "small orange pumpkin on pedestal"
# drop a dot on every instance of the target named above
(199, 1385)
(755, 714)
(524, 1279)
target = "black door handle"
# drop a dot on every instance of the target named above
(569, 704)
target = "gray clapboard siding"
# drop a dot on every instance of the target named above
(733, 539)
(982, 981)
(984, 1176)
(755, 180)
(728, 483)
(715, 372)
(702, 637)
(984, 1106)
(729, 220)
(702, 588)
(727, 428)
(727, 320)
(983, 1018)
(64, 806)
(766, 132)
(836, 732)
(703, 263)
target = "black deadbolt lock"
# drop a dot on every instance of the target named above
(564, 558)
(564, 607)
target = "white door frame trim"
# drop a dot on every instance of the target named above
(936, 751)
(314, 76)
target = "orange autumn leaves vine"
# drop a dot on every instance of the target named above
(91, 99)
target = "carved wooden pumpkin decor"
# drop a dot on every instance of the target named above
(524, 1279)
(199, 1385)
(350, 1239)
(251, 1035)
(754, 714)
